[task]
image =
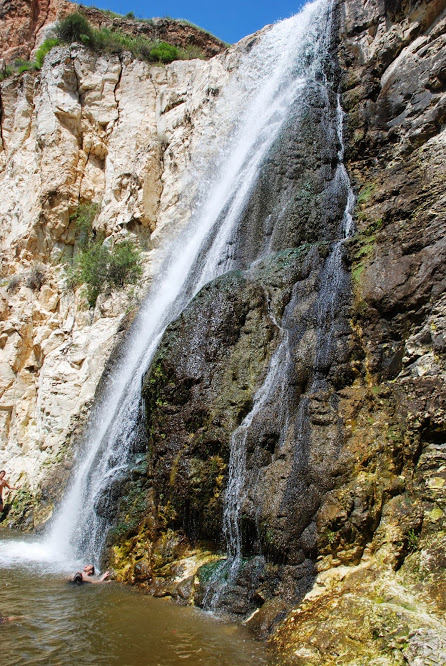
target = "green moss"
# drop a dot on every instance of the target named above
(22, 503)
(365, 194)
(412, 541)
(210, 570)
(357, 272)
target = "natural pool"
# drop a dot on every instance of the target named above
(104, 624)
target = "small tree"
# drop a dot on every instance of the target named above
(97, 265)
(125, 264)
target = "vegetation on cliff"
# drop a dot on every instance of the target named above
(76, 28)
(97, 265)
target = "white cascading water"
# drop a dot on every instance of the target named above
(332, 282)
(254, 107)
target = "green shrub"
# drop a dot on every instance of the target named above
(164, 52)
(92, 270)
(96, 265)
(124, 264)
(43, 49)
(8, 71)
(23, 66)
(83, 219)
(74, 28)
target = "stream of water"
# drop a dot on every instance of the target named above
(251, 112)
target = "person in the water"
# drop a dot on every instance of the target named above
(10, 618)
(85, 576)
(4, 484)
(88, 571)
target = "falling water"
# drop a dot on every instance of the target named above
(333, 281)
(268, 83)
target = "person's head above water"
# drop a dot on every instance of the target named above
(77, 578)
(2, 474)
(89, 569)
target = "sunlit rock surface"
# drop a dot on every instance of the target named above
(87, 128)
(344, 536)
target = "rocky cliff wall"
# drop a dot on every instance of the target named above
(348, 519)
(23, 24)
(87, 129)
(379, 596)
(344, 518)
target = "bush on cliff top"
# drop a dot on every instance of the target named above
(76, 28)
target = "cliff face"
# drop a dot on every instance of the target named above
(379, 596)
(23, 22)
(343, 516)
(85, 130)
(346, 513)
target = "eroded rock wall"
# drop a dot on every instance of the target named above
(281, 322)
(23, 24)
(86, 129)
(344, 509)
(379, 596)
(348, 515)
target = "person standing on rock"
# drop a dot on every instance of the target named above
(4, 484)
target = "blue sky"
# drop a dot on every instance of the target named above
(230, 20)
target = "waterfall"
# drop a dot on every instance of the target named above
(269, 81)
(333, 284)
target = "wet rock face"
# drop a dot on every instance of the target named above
(349, 495)
(201, 385)
(379, 530)
(281, 323)
(295, 199)
(395, 94)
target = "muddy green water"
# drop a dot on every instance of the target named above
(107, 624)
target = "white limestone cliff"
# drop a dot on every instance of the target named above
(87, 128)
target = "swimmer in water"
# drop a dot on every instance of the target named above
(85, 576)
(10, 618)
